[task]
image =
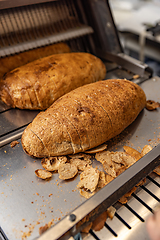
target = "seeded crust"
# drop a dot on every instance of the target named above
(43, 136)
(38, 84)
(86, 125)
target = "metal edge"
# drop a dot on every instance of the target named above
(126, 62)
(58, 37)
(8, 138)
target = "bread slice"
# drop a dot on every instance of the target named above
(94, 113)
(38, 84)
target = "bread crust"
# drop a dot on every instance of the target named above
(38, 84)
(97, 112)
(13, 61)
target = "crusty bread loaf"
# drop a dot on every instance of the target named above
(84, 118)
(11, 62)
(38, 84)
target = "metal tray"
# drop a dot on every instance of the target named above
(27, 203)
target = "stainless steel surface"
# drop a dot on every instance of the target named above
(107, 196)
(119, 74)
(14, 118)
(28, 202)
(125, 62)
(11, 136)
(3, 107)
(101, 18)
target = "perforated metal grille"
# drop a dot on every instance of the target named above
(129, 220)
(28, 27)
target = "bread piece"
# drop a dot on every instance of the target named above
(41, 173)
(97, 111)
(89, 179)
(80, 164)
(114, 163)
(157, 170)
(11, 62)
(146, 149)
(38, 84)
(67, 171)
(53, 163)
(99, 222)
(132, 152)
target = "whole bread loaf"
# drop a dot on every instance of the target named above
(38, 84)
(84, 118)
(13, 61)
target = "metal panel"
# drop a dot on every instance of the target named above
(29, 27)
(28, 202)
(3, 107)
(14, 118)
(100, 18)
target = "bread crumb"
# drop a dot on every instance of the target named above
(14, 143)
(157, 170)
(46, 226)
(111, 212)
(152, 105)
(43, 229)
(135, 76)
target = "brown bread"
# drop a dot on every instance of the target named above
(84, 118)
(13, 61)
(38, 84)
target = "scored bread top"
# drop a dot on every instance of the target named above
(38, 84)
(84, 118)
